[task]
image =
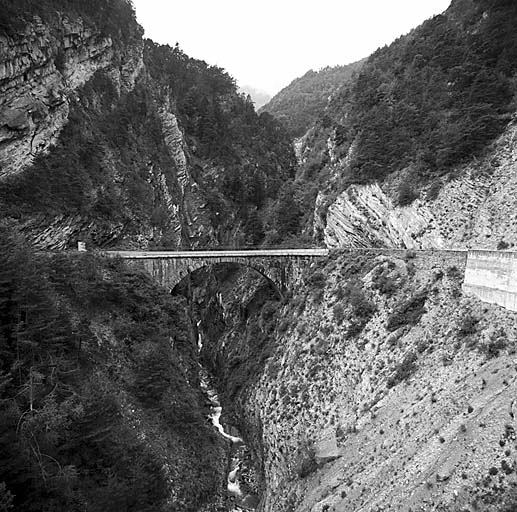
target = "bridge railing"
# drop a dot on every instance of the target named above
(232, 253)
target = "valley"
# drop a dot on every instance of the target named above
(309, 308)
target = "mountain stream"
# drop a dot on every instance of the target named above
(242, 501)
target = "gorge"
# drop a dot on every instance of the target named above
(315, 316)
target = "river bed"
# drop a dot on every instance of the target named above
(243, 501)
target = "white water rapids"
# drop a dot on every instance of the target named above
(233, 484)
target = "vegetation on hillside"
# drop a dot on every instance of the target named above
(99, 408)
(430, 101)
(253, 152)
(115, 18)
(77, 177)
(100, 168)
(304, 100)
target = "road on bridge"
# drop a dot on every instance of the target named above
(245, 253)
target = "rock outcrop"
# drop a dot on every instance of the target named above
(107, 138)
(475, 207)
(39, 72)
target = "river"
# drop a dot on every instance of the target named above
(242, 501)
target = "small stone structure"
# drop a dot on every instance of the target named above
(281, 266)
(491, 276)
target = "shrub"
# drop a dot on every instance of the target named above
(307, 462)
(382, 281)
(362, 308)
(283, 326)
(408, 312)
(434, 190)
(406, 194)
(317, 280)
(338, 313)
(498, 341)
(454, 272)
(502, 245)
(406, 368)
(6, 499)
(318, 296)
(467, 326)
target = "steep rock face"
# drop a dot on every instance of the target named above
(39, 71)
(115, 141)
(378, 386)
(433, 110)
(474, 208)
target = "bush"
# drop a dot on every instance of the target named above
(492, 348)
(467, 326)
(338, 313)
(362, 308)
(434, 190)
(406, 368)
(453, 272)
(406, 194)
(382, 281)
(317, 280)
(307, 462)
(408, 313)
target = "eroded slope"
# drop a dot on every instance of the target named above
(378, 386)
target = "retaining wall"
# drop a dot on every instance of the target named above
(491, 276)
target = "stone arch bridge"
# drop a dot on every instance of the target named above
(168, 268)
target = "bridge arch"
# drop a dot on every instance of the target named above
(185, 274)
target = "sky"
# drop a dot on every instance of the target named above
(265, 44)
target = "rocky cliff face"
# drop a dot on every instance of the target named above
(116, 141)
(475, 207)
(39, 72)
(418, 149)
(376, 386)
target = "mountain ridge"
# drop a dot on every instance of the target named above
(299, 104)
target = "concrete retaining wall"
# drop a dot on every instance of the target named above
(491, 276)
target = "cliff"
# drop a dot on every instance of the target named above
(40, 70)
(417, 150)
(473, 208)
(114, 140)
(375, 386)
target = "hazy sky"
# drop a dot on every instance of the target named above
(268, 43)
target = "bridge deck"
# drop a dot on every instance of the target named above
(259, 253)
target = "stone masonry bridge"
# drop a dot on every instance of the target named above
(491, 276)
(168, 268)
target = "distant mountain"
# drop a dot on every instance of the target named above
(259, 97)
(300, 103)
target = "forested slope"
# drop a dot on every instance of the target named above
(100, 404)
(428, 102)
(304, 100)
